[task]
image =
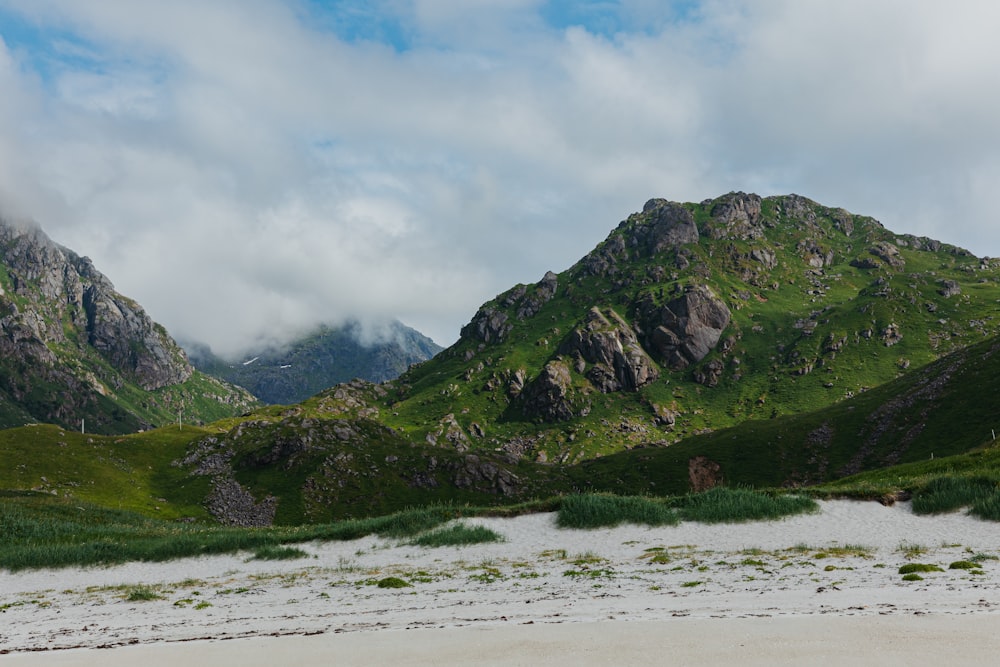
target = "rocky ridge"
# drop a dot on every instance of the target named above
(70, 343)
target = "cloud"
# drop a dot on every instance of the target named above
(248, 169)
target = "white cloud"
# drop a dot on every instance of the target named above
(244, 174)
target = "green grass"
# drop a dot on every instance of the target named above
(724, 505)
(601, 511)
(142, 594)
(50, 532)
(919, 567)
(950, 493)
(279, 553)
(964, 565)
(987, 508)
(457, 535)
(393, 582)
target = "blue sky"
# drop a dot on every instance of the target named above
(248, 168)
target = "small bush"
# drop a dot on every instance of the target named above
(912, 576)
(457, 535)
(605, 511)
(724, 505)
(910, 568)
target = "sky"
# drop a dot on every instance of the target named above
(248, 169)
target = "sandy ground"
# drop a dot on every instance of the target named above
(822, 589)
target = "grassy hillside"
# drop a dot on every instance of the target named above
(819, 319)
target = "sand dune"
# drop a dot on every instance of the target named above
(541, 595)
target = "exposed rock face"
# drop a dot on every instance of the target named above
(667, 225)
(609, 342)
(489, 325)
(64, 287)
(549, 395)
(884, 251)
(736, 216)
(474, 472)
(949, 288)
(685, 330)
(544, 291)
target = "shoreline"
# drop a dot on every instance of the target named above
(816, 640)
(839, 564)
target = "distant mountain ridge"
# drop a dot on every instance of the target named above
(320, 360)
(73, 349)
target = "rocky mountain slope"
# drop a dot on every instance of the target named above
(328, 356)
(690, 318)
(329, 457)
(73, 350)
(742, 340)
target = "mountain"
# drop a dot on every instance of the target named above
(328, 356)
(75, 352)
(740, 340)
(690, 318)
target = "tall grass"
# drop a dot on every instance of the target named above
(50, 533)
(987, 508)
(457, 535)
(950, 493)
(725, 505)
(601, 511)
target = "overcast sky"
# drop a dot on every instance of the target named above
(247, 168)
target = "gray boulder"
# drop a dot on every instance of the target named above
(683, 331)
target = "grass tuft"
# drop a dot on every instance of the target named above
(725, 505)
(950, 493)
(393, 582)
(910, 568)
(142, 594)
(279, 553)
(604, 511)
(457, 535)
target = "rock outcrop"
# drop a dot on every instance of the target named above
(490, 325)
(63, 287)
(736, 216)
(70, 344)
(549, 396)
(609, 343)
(665, 225)
(683, 331)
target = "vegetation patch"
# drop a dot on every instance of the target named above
(604, 511)
(964, 565)
(393, 582)
(457, 535)
(725, 505)
(910, 568)
(279, 553)
(142, 594)
(950, 493)
(912, 576)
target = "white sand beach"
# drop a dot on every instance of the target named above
(819, 589)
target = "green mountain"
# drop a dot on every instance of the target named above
(690, 318)
(328, 356)
(75, 352)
